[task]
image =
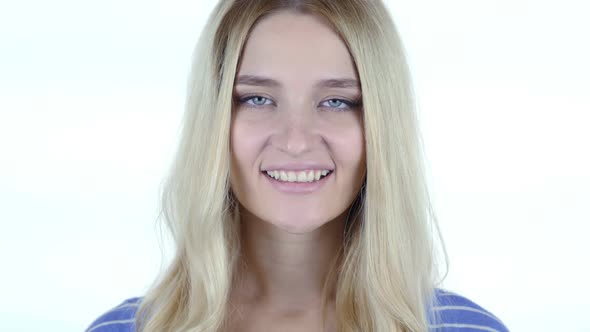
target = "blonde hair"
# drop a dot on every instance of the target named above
(386, 274)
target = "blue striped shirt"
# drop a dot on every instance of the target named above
(451, 313)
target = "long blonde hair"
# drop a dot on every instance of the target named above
(387, 271)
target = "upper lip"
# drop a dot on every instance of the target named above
(301, 166)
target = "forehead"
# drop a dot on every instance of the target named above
(290, 46)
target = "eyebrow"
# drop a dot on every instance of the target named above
(343, 83)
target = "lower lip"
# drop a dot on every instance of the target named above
(298, 187)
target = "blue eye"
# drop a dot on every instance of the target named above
(340, 104)
(256, 101)
(335, 102)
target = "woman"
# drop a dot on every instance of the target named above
(297, 199)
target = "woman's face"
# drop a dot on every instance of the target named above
(296, 116)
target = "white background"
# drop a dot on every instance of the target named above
(91, 95)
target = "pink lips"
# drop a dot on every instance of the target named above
(298, 187)
(300, 166)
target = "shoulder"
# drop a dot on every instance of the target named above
(119, 319)
(451, 312)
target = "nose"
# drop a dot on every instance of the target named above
(295, 135)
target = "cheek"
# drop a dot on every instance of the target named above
(353, 158)
(348, 145)
(246, 142)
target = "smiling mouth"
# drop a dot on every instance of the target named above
(301, 185)
(309, 176)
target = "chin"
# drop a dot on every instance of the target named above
(299, 225)
(291, 220)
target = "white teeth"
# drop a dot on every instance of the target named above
(310, 176)
(301, 176)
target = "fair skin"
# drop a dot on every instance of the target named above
(303, 115)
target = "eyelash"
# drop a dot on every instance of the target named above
(351, 105)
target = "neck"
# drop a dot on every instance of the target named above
(284, 269)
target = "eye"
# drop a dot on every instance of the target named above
(255, 101)
(340, 104)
